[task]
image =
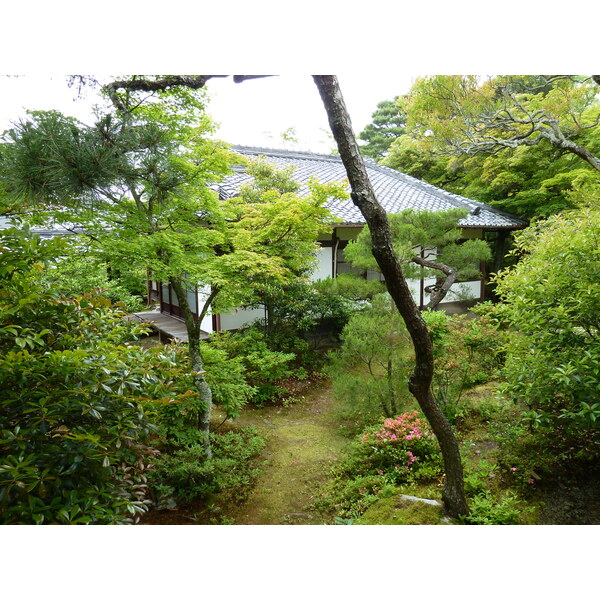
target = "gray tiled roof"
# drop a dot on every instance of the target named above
(394, 190)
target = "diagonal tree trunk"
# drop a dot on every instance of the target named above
(420, 380)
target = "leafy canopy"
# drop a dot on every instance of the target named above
(521, 143)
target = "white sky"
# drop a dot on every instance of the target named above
(252, 113)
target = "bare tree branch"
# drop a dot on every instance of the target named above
(147, 84)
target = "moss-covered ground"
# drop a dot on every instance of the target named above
(305, 439)
(303, 442)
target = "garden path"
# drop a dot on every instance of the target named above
(303, 441)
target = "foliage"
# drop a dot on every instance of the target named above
(79, 271)
(551, 300)
(467, 352)
(477, 480)
(401, 449)
(188, 475)
(74, 416)
(486, 510)
(177, 405)
(259, 367)
(436, 234)
(298, 308)
(388, 124)
(508, 141)
(472, 115)
(271, 233)
(350, 289)
(374, 361)
(137, 182)
(396, 451)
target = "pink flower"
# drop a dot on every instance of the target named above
(513, 469)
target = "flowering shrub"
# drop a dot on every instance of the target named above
(396, 449)
(400, 450)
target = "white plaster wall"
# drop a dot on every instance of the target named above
(467, 290)
(324, 264)
(242, 316)
(206, 323)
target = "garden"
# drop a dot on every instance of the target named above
(100, 421)
(346, 405)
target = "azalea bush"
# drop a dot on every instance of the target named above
(398, 448)
(397, 451)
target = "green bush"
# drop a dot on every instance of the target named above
(486, 510)
(187, 474)
(551, 302)
(467, 352)
(477, 480)
(74, 415)
(375, 359)
(79, 271)
(397, 451)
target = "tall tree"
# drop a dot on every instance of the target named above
(138, 183)
(420, 381)
(389, 123)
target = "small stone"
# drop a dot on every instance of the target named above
(424, 500)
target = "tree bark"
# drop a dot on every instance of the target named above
(420, 381)
(451, 273)
(193, 331)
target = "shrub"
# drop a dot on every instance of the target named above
(188, 475)
(396, 449)
(477, 480)
(551, 302)
(74, 413)
(254, 362)
(79, 271)
(467, 352)
(486, 510)
(374, 362)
